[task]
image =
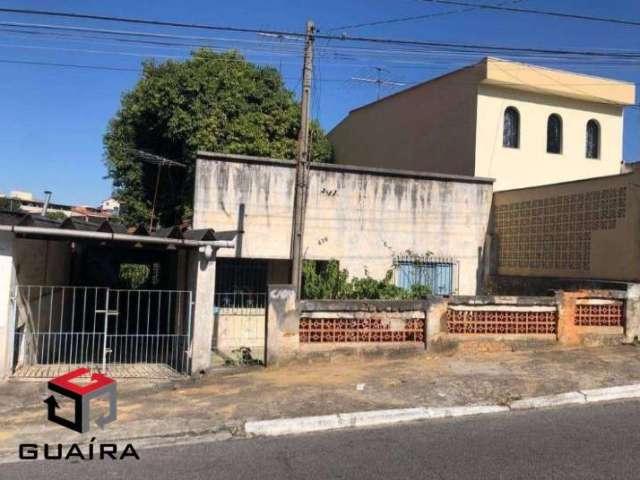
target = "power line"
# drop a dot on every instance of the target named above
(68, 65)
(323, 51)
(386, 41)
(412, 18)
(318, 80)
(619, 21)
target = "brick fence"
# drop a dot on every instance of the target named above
(295, 328)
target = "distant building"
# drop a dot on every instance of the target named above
(20, 195)
(110, 205)
(520, 124)
(26, 202)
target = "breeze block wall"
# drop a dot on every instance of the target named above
(588, 317)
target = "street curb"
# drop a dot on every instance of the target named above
(339, 421)
(546, 401)
(612, 393)
(287, 426)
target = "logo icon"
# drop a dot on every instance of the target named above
(82, 395)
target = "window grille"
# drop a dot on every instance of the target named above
(437, 273)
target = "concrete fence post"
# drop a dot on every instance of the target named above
(567, 332)
(283, 324)
(632, 312)
(203, 274)
(7, 280)
(436, 319)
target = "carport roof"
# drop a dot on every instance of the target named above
(37, 225)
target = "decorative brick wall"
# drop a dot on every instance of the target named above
(599, 313)
(361, 330)
(501, 320)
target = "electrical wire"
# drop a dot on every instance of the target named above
(412, 18)
(280, 33)
(618, 21)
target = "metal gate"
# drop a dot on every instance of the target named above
(125, 333)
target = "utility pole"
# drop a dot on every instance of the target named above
(301, 170)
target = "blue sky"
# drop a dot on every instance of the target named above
(53, 118)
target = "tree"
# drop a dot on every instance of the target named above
(215, 102)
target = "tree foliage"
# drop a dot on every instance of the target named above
(214, 102)
(327, 281)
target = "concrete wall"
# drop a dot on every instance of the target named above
(430, 127)
(240, 327)
(42, 262)
(361, 217)
(530, 164)
(7, 281)
(586, 229)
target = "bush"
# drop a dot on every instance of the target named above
(133, 275)
(327, 281)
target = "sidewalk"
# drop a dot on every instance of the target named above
(221, 402)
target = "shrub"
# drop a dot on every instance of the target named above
(325, 280)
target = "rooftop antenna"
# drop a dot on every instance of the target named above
(379, 81)
(154, 159)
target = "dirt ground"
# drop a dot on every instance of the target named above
(225, 399)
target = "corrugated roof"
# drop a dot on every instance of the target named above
(29, 220)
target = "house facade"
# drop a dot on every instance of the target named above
(520, 124)
(369, 220)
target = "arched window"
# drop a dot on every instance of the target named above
(511, 128)
(554, 133)
(593, 139)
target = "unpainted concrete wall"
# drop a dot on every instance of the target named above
(240, 327)
(360, 217)
(42, 262)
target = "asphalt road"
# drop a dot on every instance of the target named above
(586, 442)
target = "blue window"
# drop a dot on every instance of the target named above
(437, 274)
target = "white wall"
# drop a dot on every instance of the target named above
(531, 165)
(7, 279)
(359, 218)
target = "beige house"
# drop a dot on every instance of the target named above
(520, 124)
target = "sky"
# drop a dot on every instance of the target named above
(54, 117)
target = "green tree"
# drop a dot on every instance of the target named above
(215, 102)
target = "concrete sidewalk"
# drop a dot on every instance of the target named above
(220, 403)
